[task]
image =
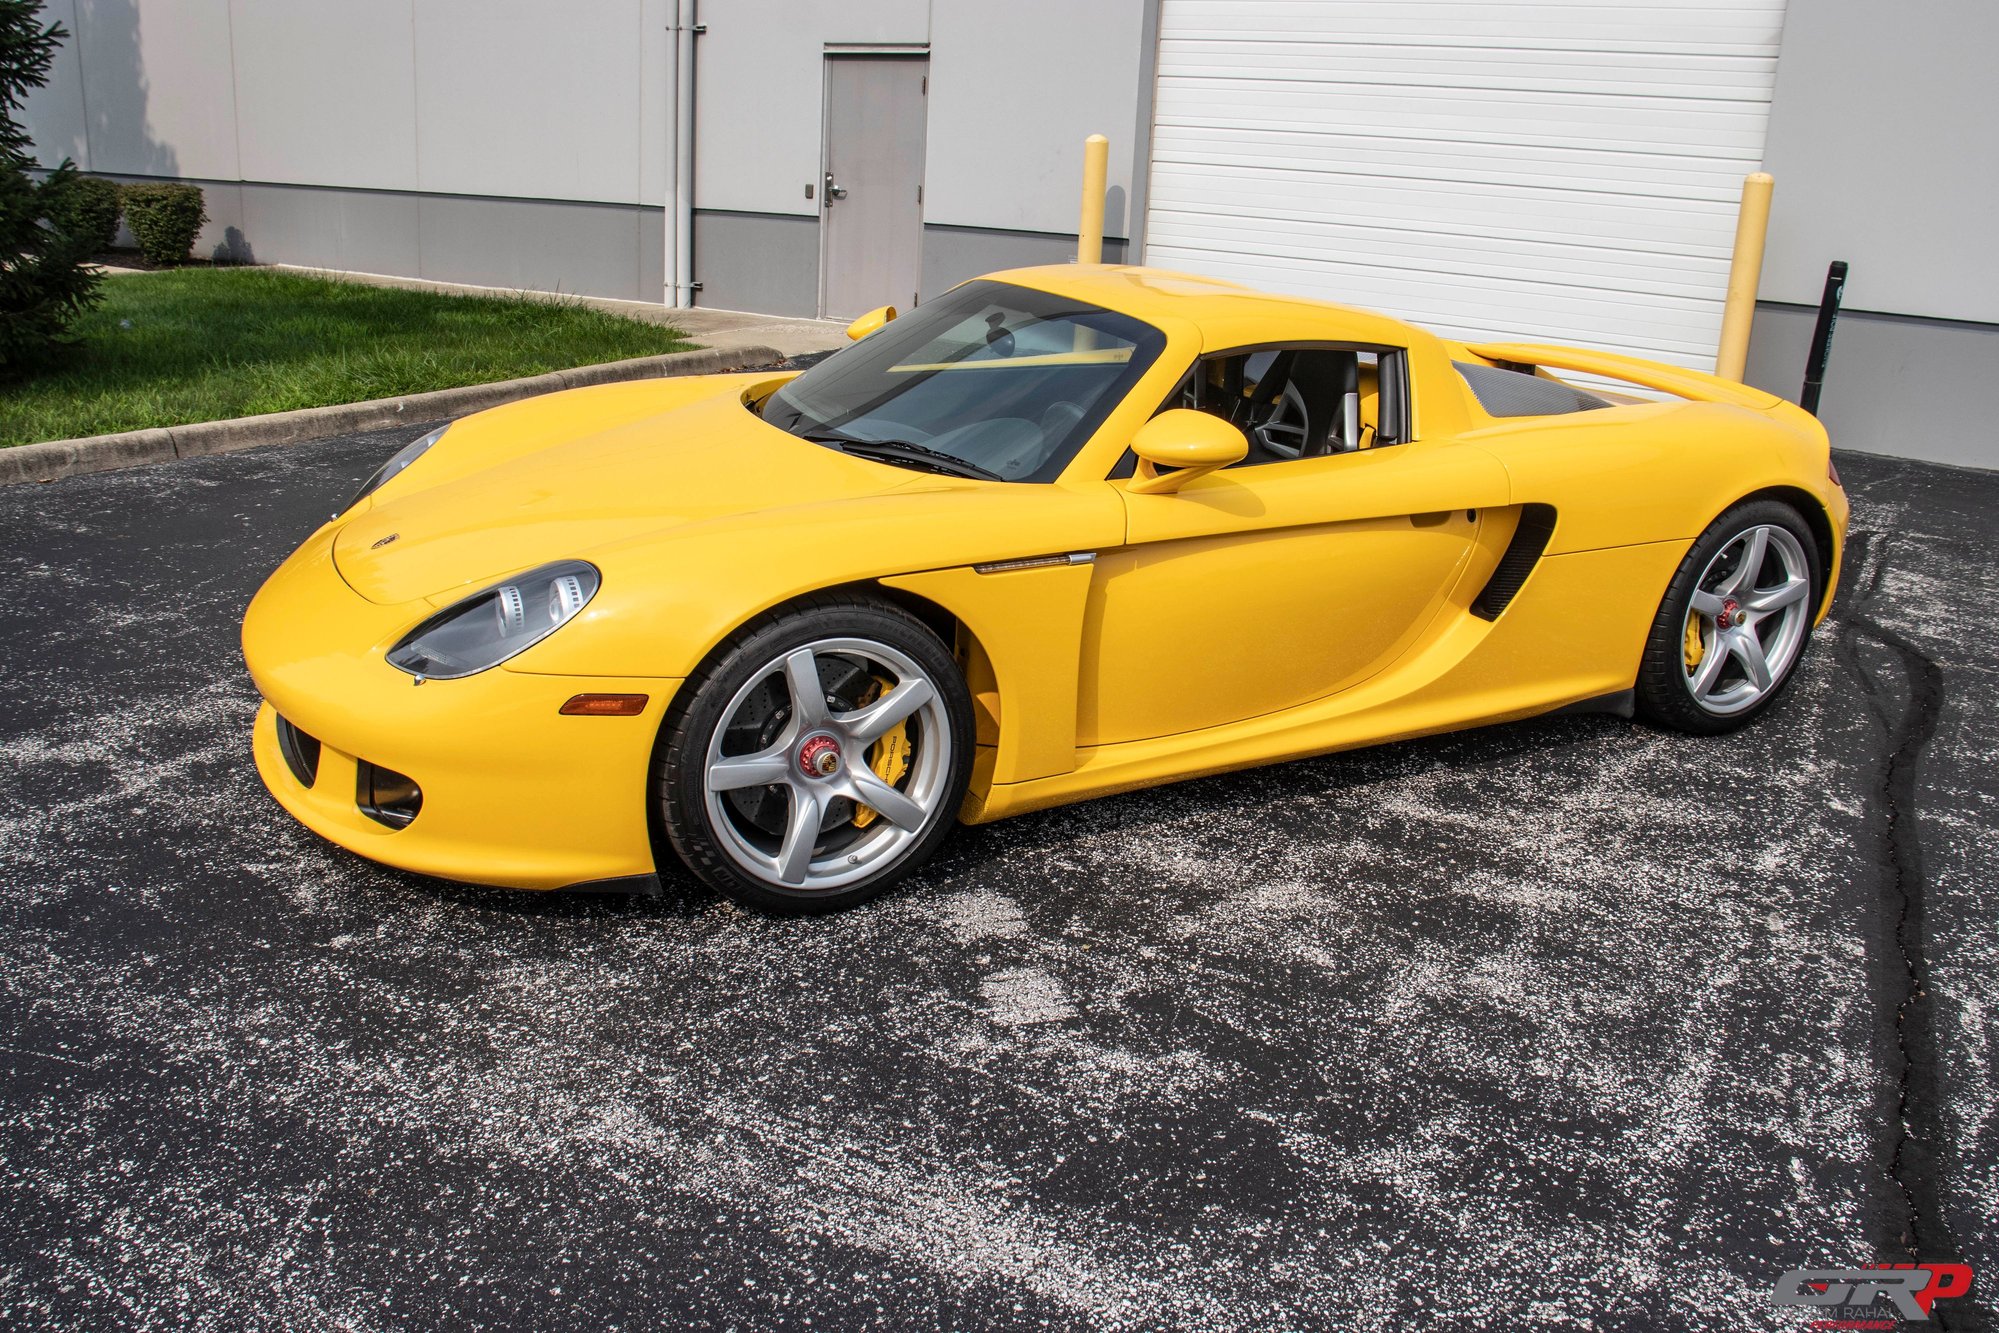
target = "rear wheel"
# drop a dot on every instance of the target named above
(1734, 621)
(819, 756)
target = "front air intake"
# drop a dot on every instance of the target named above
(386, 796)
(300, 751)
(1530, 538)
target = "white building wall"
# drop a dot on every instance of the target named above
(1882, 142)
(484, 140)
(1885, 144)
(760, 90)
(1015, 101)
(326, 92)
(158, 92)
(54, 113)
(524, 99)
(1015, 86)
(503, 98)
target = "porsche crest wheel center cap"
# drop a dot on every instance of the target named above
(819, 757)
(1731, 612)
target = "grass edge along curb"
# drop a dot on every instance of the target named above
(56, 459)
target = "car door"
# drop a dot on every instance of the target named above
(1256, 589)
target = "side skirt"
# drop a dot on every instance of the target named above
(1622, 703)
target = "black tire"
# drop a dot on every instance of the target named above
(1664, 695)
(681, 764)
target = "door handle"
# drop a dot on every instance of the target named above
(833, 191)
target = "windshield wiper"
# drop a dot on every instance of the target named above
(904, 451)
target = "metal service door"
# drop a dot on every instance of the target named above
(871, 192)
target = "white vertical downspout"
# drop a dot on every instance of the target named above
(679, 257)
(670, 227)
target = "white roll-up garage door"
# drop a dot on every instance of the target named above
(1563, 171)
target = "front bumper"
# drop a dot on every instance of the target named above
(514, 793)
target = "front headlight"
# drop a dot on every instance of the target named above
(504, 621)
(401, 459)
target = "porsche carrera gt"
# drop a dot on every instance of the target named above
(1058, 533)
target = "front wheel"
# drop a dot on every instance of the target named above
(818, 757)
(1734, 621)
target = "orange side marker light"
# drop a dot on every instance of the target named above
(604, 705)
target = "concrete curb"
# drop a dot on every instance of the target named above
(133, 448)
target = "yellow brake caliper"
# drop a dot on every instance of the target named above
(888, 757)
(1696, 650)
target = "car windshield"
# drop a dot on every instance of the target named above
(987, 380)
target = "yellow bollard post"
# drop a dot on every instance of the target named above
(1096, 172)
(1745, 272)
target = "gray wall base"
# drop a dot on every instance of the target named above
(1897, 385)
(762, 262)
(953, 254)
(769, 262)
(544, 245)
(765, 262)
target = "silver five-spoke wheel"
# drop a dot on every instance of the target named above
(1747, 619)
(829, 762)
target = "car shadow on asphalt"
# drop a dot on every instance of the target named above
(974, 849)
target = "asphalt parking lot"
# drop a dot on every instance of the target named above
(1567, 1024)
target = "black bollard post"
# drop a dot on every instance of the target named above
(1835, 288)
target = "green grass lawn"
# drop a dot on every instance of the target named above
(201, 344)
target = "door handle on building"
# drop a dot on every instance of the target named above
(833, 191)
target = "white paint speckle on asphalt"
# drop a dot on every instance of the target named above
(1568, 1025)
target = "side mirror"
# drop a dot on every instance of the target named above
(1193, 443)
(869, 322)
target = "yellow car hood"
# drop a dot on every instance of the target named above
(549, 480)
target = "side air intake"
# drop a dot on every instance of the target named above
(1537, 524)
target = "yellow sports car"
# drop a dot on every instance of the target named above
(1060, 532)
